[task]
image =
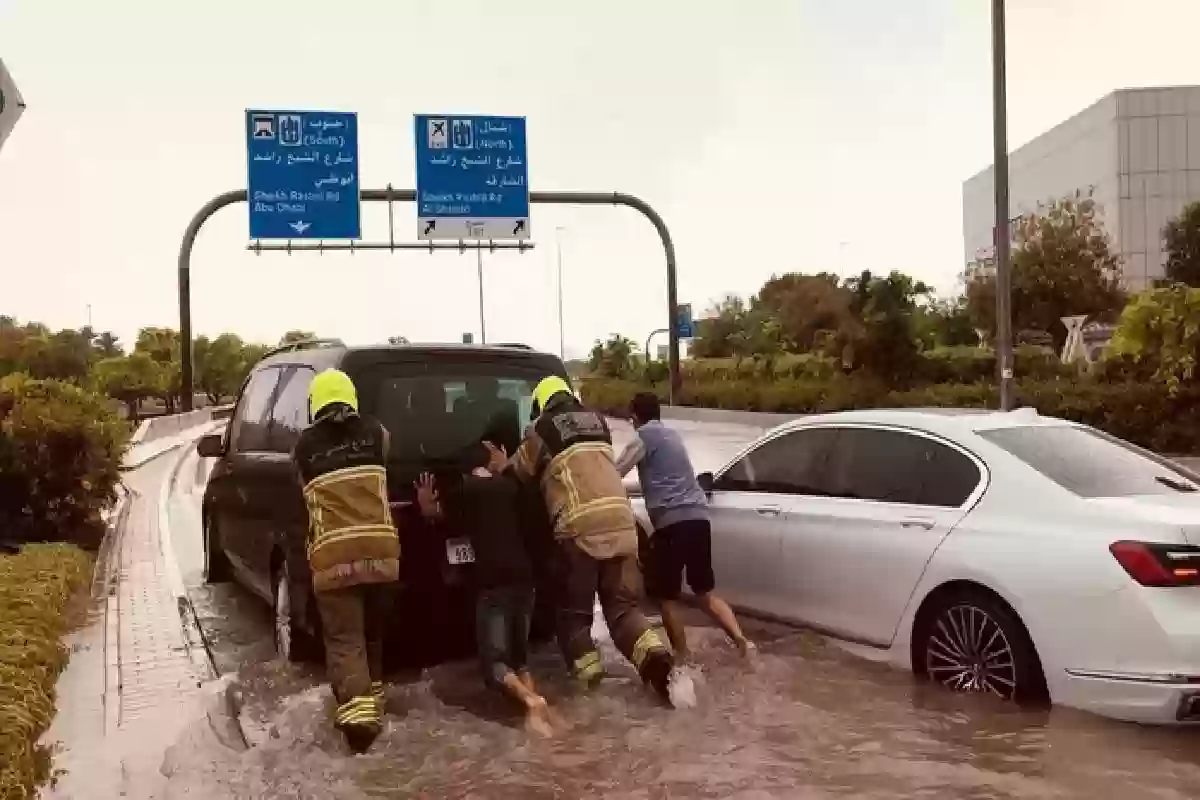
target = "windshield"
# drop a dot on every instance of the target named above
(1090, 463)
(437, 416)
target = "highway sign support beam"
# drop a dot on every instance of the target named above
(409, 195)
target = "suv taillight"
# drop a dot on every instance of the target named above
(1155, 564)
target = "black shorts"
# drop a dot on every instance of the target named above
(683, 546)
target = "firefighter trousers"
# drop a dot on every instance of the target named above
(353, 622)
(618, 582)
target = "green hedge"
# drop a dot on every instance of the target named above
(36, 586)
(60, 455)
(1138, 411)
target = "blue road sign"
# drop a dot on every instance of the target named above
(472, 177)
(303, 175)
(684, 324)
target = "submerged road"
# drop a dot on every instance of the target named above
(810, 720)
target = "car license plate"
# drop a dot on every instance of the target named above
(459, 551)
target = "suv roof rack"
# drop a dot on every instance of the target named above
(303, 344)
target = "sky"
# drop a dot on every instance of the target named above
(772, 136)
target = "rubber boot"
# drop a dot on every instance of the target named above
(656, 672)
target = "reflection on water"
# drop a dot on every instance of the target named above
(808, 721)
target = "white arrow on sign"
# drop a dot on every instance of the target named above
(11, 104)
(301, 227)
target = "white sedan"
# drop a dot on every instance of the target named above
(1011, 553)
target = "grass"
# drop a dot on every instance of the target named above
(36, 588)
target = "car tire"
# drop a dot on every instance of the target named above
(293, 643)
(217, 568)
(971, 641)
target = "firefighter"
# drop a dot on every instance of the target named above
(353, 548)
(568, 453)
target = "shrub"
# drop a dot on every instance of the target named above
(36, 586)
(1145, 413)
(60, 456)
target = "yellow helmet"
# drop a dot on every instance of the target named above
(546, 389)
(329, 387)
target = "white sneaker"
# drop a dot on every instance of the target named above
(681, 689)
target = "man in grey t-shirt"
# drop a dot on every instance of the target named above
(678, 509)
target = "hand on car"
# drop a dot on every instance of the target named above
(427, 496)
(497, 458)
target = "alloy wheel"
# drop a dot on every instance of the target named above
(967, 650)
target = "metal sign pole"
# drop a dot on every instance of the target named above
(409, 196)
(1004, 365)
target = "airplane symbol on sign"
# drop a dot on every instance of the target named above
(430, 226)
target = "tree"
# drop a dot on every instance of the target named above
(1181, 238)
(163, 346)
(714, 334)
(1160, 330)
(108, 345)
(808, 309)
(613, 358)
(759, 333)
(221, 365)
(297, 336)
(1061, 266)
(884, 341)
(944, 323)
(131, 379)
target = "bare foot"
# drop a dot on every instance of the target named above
(537, 719)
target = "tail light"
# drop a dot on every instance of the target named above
(1154, 564)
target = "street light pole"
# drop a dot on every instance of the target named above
(562, 347)
(479, 269)
(1000, 177)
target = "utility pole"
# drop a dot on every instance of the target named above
(1004, 365)
(562, 346)
(479, 269)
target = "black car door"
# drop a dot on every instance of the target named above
(239, 502)
(287, 516)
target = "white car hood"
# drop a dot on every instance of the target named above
(1179, 511)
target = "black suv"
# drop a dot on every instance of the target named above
(435, 400)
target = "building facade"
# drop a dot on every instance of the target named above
(1136, 150)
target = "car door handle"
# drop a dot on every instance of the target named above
(767, 511)
(917, 522)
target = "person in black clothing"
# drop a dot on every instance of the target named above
(487, 507)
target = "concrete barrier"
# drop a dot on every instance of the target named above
(173, 424)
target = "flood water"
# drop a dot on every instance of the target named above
(808, 720)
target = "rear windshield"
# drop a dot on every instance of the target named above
(437, 414)
(1091, 463)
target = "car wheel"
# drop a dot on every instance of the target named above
(216, 564)
(972, 642)
(292, 641)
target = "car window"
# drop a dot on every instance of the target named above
(892, 466)
(793, 463)
(290, 413)
(1090, 463)
(437, 412)
(251, 422)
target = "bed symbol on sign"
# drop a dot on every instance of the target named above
(263, 126)
(438, 138)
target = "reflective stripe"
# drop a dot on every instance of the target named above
(579, 447)
(353, 532)
(588, 666)
(648, 641)
(362, 710)
(346, 474)
(600, 504)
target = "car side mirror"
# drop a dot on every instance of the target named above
(706, 481)
(211, 446)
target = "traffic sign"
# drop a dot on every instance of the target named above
(684, 323)
(11, 104)
(303, 175)
(472, 177)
